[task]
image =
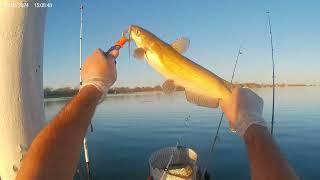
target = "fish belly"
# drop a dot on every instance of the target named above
(187, 74)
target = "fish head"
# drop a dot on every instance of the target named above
(142, 38)
(149, 47)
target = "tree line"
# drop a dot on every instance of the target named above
(69, 92)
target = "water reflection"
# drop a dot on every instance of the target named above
(128, 128)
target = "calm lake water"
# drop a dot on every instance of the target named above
(128, 128)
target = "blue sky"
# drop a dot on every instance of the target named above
(216, 29)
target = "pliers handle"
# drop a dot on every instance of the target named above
(119, 44)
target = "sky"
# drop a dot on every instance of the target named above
(216, 30)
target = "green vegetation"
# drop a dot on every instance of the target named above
(60, 92)
(69, 92)
(125, 90)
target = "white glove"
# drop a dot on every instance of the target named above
(243, 109)
(100, 71)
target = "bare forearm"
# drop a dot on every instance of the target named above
(266, 161)
(55, 152)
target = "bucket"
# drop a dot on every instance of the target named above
(183, 164)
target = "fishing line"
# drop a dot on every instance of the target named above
(129, 43)
(129, 47)
(186, 123)
(273, 88)
(216, 137)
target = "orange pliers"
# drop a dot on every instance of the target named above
(119, 44)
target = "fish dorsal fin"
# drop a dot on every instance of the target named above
(181, 45)
(139, 53)
(168, 86)
(201, 100)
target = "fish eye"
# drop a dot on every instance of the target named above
(138, 33)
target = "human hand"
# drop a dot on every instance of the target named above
(100, 70)
(114, 53)
(243, 108)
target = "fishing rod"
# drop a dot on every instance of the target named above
(273, 77)
(221, 117)
(85, 145)
(118, 45)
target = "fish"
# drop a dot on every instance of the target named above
(202, 87)
(180, 171)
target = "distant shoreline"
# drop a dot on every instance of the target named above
(69, 92)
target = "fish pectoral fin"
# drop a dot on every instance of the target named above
(201, 100)
(168, 86)
(139, 53)
(181, 45)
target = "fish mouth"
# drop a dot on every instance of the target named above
(128, 31)
(141, 37)
(136, 30)
(131, 29)
(135, 34)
